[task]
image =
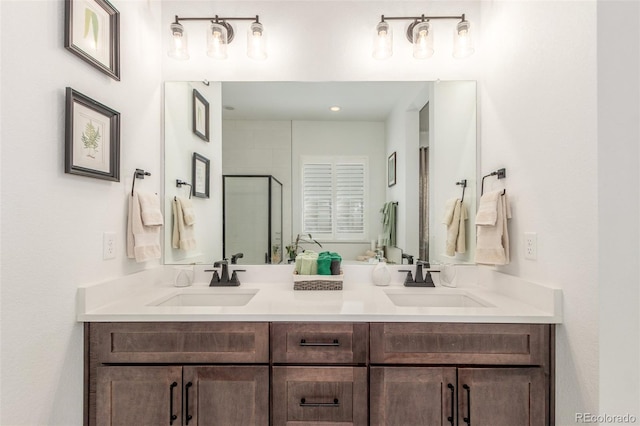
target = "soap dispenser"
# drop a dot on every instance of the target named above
(381, 275)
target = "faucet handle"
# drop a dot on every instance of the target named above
(409, 277)
(234, 276)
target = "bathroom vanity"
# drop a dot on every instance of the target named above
(359, 356)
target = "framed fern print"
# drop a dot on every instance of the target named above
(92, 31)
(92, 138)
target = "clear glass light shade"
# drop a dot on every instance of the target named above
(462, 41)
(383, 41)
(217, 41)
(422, 40)
(178, 47)
(256, 42)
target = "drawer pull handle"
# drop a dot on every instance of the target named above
(453, 403)
(467, 419)
(172, 416)
(303, 342)
(186, 402)
(304, 403)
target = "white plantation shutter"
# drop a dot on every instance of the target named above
(334, 192)
(317, 198)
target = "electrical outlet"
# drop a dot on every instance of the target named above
(109, 245)
(530, 245)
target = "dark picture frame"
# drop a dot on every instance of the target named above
(92, 32)
(200, 173)
(391, 170)
(200, 116)
(92, 138)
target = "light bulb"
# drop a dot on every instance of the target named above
(462, 41)
(256, 42)
(178, 48)
(383, 41)
(422, 40)
(217, 41)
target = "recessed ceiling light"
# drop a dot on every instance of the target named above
(335, 108)
(229, 108)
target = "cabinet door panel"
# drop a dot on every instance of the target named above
(405, 396)
(502, 397)
(226, 395)
(319, 396)
(138, 396)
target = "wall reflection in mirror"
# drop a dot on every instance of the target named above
(324, 150)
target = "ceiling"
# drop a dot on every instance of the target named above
(359, 101)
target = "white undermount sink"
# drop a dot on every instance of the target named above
(432, 298)
(231, 296)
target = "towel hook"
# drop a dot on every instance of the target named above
(500, 173)
(138, 174)
(462, 183)
(179, 184)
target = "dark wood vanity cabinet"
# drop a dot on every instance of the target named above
(461, 374)
(319, 374)
(177, 374)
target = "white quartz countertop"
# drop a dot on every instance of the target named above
(138, 297)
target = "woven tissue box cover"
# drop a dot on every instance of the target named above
(317, 282)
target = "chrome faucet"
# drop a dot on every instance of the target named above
(224, 280)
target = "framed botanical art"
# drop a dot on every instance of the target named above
(391, 170)
(200, 176)
(92, 138)
(200, 116)
(92, 31)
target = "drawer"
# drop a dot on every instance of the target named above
(320, 395)
(453, 343)
(199, 342)
(324, 343)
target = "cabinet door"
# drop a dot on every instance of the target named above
(502, 397)
(405, 396)
(226, 395)
(319, 396)
(139, 396)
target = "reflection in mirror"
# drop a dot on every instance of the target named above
(332, 165)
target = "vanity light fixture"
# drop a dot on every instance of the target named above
(420, 35)
(219, 34)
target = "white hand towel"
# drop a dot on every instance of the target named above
(488, 208)
(456, 233)
(449, 209)
(143, 242)
(183, 236)
(188, 214)
(150, 209)
(492, 246)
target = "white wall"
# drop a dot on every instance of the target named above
(180, 145)
(538, 119)
(52, 222)
(619, 206)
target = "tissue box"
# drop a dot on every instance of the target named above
(318, 282)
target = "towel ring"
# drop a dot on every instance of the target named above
(179, 184)
(500, 173)
(138, 174)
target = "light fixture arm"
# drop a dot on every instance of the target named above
(416, 19)
(222, 21)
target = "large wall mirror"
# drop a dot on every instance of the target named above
(319, 158)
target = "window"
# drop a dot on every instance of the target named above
(334, 197)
